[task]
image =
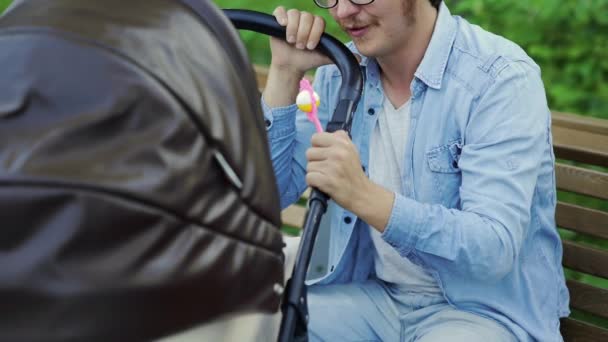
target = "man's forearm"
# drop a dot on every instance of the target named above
(374, 205)
(281, 87)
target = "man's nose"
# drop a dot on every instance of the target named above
(345, 9)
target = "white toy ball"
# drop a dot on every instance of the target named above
(304, 102)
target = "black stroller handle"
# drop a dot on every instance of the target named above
(295, 310)
(352, 79)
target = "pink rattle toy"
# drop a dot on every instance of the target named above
(308, 101)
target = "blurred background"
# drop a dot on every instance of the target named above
(567, 38)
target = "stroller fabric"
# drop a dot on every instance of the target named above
(137, 196)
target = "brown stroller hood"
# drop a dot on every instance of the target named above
(137, 195)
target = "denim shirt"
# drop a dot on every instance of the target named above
(479, 197)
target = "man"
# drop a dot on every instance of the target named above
(442, 219)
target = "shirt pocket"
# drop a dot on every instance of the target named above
(445, 172)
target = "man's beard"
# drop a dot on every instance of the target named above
(408, 11)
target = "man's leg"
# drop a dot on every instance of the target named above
(352, 312)
(444, 323)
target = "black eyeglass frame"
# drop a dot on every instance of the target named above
(335, 2)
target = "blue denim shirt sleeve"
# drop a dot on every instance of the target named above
(505, 137)
(289, 134)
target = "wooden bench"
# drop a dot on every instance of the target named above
(582, 215)
(581, 146)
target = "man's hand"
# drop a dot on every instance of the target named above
(291, 59)
(296, 52)
(334, 167)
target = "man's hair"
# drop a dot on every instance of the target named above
(435, 3)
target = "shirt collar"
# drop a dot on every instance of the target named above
(435, 60)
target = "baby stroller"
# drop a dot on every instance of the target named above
(136, 189)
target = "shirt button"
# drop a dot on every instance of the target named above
(371, 111)
(267, 122)
(348, 220)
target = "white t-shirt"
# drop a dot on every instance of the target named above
(386, 167)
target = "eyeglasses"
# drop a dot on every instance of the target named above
(333, 3)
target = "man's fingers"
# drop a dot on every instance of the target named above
(316, 154)
(317, 180)
(341, 134)
(293, 22)
(318, 27)
(280, 15)
(306, 20)
(316, 166)
(322, 139)
(325, 139)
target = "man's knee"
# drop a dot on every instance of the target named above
(350, 312)
(460, 326)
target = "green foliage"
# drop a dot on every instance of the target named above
(257, 45)
(4, 4)
(568, 39)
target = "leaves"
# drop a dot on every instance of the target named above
(568, 39)
(4, 4)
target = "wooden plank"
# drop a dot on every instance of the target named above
(588, 298)
(580, 145)
(583, 220)
(582, 181)
(585, 259)
(293, 216)
(580, 122)
(578, 331)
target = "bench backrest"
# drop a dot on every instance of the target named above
(581, 146)
(581, 149)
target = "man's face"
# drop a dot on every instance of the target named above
(377, 29)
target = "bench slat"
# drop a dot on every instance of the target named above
(580, 138)
(581, 146)
(582, 181)
(583, 155)
(293, 216)
(577, 331)
(588, 298)
(583, 220)
(580, 122)
(585, 259)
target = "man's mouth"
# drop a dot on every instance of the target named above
(358, 31)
